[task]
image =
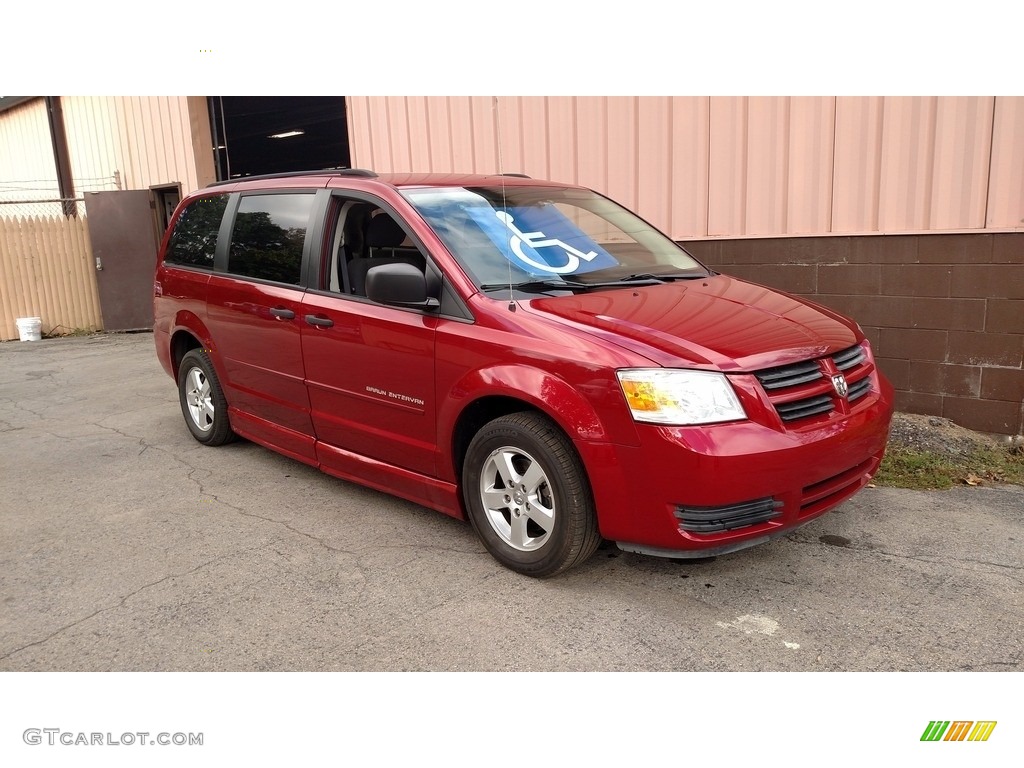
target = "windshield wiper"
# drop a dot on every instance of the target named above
(535, 285)
(642, 277)
(572, 285)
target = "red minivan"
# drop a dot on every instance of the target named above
(524, 353)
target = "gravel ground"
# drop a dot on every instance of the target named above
(938, 435)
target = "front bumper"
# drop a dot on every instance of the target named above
(699, 491)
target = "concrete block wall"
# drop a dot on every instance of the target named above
(944, 312)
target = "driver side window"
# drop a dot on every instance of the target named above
(366, 236)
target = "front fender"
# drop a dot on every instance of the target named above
(588, 411)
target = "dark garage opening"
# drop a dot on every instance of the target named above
(253, 135)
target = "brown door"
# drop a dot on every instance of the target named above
(123, 233)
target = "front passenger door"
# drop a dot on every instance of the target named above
(370, 376)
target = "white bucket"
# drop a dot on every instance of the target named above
(30, 328)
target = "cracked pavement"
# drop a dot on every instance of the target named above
(125, 545)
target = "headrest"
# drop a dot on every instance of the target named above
(384, 232)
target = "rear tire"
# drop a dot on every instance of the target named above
(527, 496)
(202, 400)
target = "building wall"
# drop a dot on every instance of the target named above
(114, 142)
(730, 166)
(27, 168)
(944, 313)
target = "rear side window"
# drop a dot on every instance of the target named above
(268, 236)
(194, 239)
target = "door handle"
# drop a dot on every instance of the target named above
(282, 314)
(322, 322)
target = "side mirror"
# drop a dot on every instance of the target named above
(399, 285)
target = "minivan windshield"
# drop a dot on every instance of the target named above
(549, 238)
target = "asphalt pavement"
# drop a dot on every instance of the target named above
(125, 545)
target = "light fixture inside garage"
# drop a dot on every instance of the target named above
(286, 134)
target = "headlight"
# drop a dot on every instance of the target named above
(679, 397)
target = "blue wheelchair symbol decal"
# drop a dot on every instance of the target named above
(537, 240)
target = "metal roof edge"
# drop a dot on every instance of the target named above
(10, 102)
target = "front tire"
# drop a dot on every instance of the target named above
(527, 495)
(202, 400)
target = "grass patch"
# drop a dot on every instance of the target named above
(905, 467)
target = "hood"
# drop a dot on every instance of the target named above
(719, 322)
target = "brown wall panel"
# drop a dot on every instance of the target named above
(948, 328)
(989, 349)
(985, 415)
(953, 314)
(915, 280)
(898, 371)
(850, 278)
(1003, 384)
(954, 249)
(881, 311)
(1004, 316)
(887, 249)
(990, 281)
(1008, 248)
(793, 278)
(913, 344)
(919, 402)
(814, 250)
(945, 379)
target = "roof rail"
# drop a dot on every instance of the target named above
(517, 175)
(360, 172)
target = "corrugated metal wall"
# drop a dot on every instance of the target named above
(147, 139)
(1006, 175)
(126, 142)
(27, 169)
(730, 166)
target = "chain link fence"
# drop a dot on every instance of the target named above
(39, 198)
(47, 209)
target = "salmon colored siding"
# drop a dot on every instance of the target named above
(730, 166)
(149, 140)
(1005, 201)
(126, 142)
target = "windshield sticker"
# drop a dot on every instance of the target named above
(541, 240)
